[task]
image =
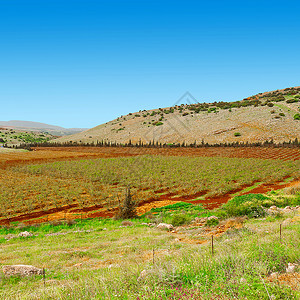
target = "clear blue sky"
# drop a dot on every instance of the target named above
(81, 63)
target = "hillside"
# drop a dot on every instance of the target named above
(14, 137)
(41, 127)
(265, 116)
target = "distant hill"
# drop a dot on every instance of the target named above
(265, 116)
(40, 127)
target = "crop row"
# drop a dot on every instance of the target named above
(102, 182)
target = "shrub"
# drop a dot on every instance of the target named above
(237, 134)
(212, 222)
(127, 210)
(270, 104)
(297, 117)
(292, 100)
(179, 219)
(249, 205)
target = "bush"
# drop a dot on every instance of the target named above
(212, 222)
(249, 205)
(237, 134)
(179, 219)
(297, 117)
(292, 100)
(127, 210)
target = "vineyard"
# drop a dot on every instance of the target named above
(94, 187)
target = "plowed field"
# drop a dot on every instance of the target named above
(32, 196)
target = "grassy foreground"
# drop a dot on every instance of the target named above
(101, 259)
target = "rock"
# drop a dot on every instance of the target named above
(25, 234)
(177, 240)
(126, 223)
(144, 274)
(21, 270)
(165, 226)
(212, 218)
(291, 268)
(274, 275)
(287, 209)
(10, 236)
(286, 222)
(273, 210)
(243, 280)
(200, 220)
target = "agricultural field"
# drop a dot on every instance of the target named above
(81, 188)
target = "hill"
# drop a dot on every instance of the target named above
(12, 137)
(41, 127)
(265, 116)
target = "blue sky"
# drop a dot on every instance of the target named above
(81, 63)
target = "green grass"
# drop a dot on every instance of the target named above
(106, 260)
(100, 259)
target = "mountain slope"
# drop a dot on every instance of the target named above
(36, 126)
(258, 118)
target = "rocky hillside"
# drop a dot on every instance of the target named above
(12, 137)
(39, 127)
(265, 116)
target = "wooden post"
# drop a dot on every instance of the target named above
(153, 257)
(280, 231)
(44, 276)
(212, 245)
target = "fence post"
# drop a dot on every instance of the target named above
(44, 276)
(153, 257)
(280, 232)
